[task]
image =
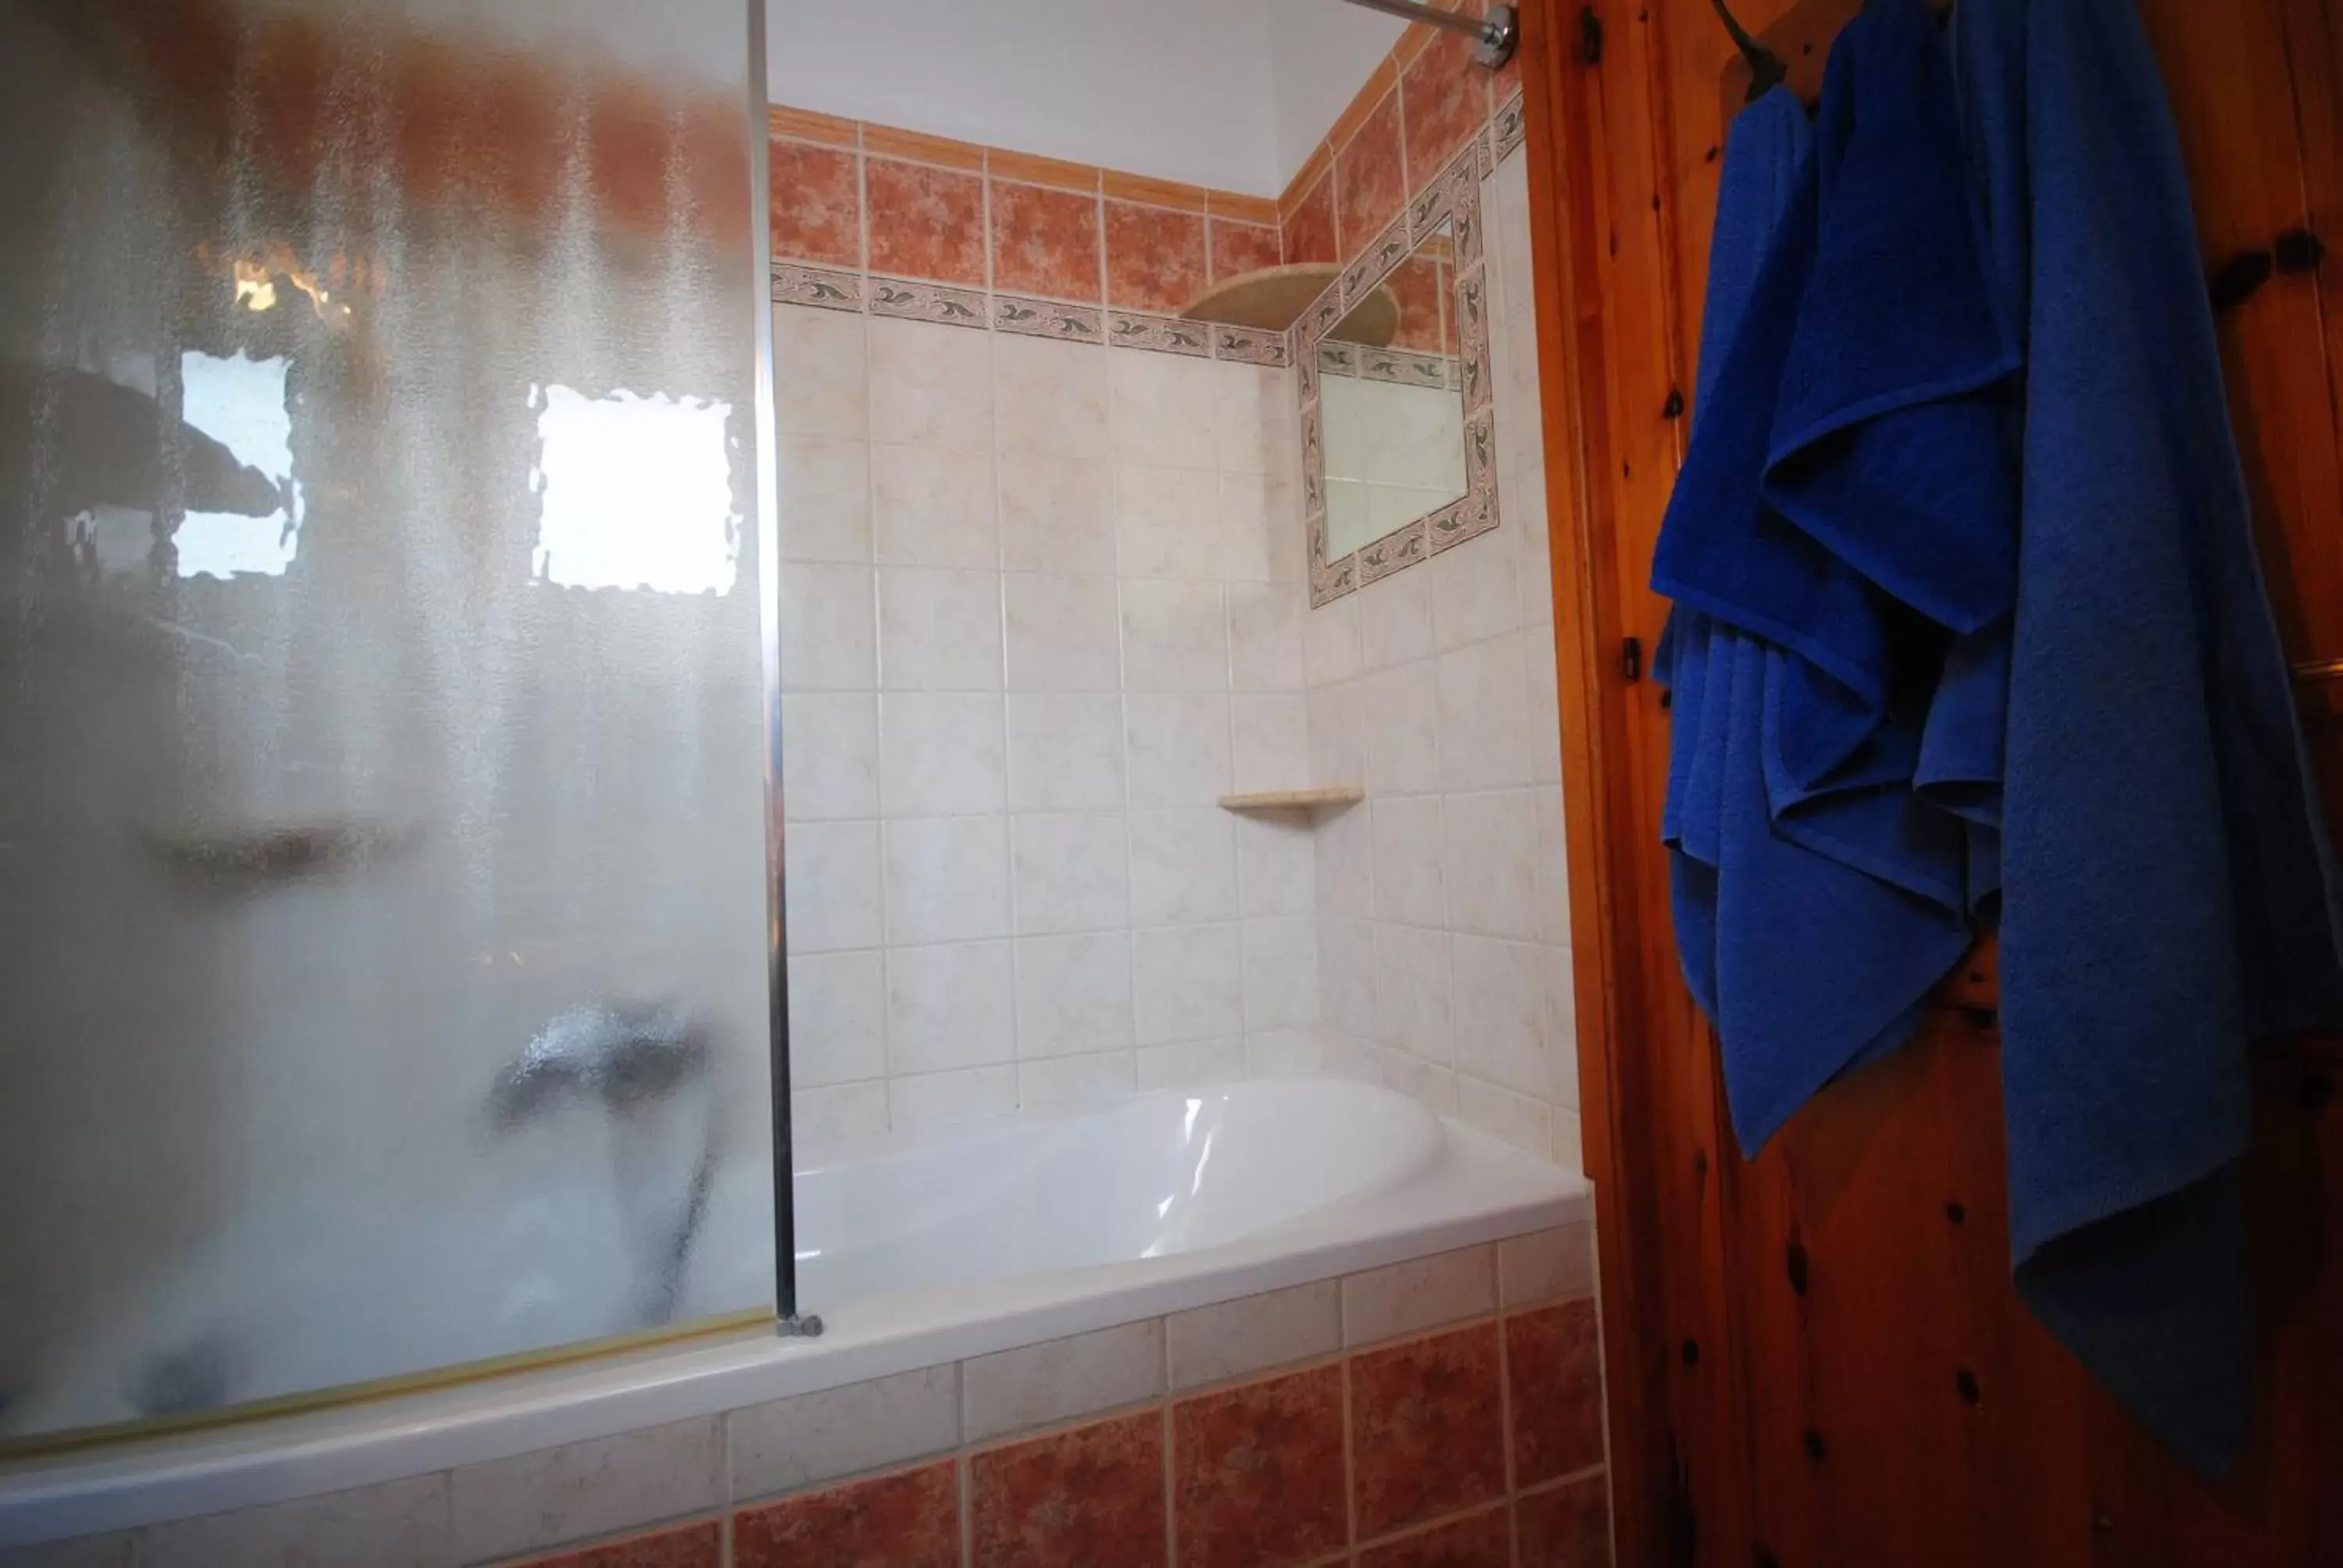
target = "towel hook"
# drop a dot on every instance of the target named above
(1767, 71)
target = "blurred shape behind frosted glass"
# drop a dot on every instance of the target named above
(382, 919)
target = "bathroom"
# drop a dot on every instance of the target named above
(975, 859)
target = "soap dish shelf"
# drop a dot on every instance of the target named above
(1294, 800)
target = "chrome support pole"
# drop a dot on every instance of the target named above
(1495, 35)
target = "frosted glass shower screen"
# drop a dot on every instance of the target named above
(383, 912)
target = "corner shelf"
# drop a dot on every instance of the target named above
(1294, 800)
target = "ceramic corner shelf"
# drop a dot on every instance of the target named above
(1294, 800)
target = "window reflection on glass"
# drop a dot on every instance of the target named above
(637, 492)
(240, 403)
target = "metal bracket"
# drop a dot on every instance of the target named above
(794, 1327)
(1500, 34)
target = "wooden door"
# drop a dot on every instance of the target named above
(1816, 1359)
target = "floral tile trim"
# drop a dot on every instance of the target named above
(1392, 551)
(1045, 319)
(926, 302)
(1473, 333)
(1243, 345)
(1402, 369)
(1507, 129)
(817, 287)
(1167, 334)
(1387, 251)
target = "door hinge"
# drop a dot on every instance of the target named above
(1590, 36)
(1631, 659)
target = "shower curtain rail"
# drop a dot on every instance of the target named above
(1494, 35)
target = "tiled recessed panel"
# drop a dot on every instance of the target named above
(399, 1524)
(825, 495)
(1179, 749)
(1370, 178)
(1057, 513)
(1566, 1526)
(1489, 860)
(1065, 749)
(821, 372)
(1280, 974)
(1162, 409)
(1277, 865)
(830, 755)
(1500, 996)
(1069, 872)
(1187, 983)
(1310, 228)
(1426, 1429)
(940, 754)
(944, 1099)
(1045, 242)
(1411, 995)
(907, 1521)
(1482, 1539)
(830, 874)
(1175, 637)
(931, 385)
(1155, 258)
(1073, 995)
(586, 1488)
(1078, 1499)
(1408, 887)
(1418, 1294)
(1065, 634)
(1167, 521)
(1238, 248)
(939, 631)
(1257, 1473)
(925, 223)
(1483, 717)
(1058, 1084)
(1253, 1333)
(1062, 1380)
(1555, 1362)
(1051, 396)
(837, 1029)
(947, 878)
(1183, 867)
(829, 641)
(949, 1007)
(817, 1437)
(699, 1545)
(1547, 1265)
(931, 506)
(1447, 98)
(817, 204)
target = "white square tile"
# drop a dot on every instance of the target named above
(1408, 886)
(1280, 974)
(1396, 619)
(1065, 751)
(1164, 409)
(944, 1099)
(1411, 994)
(1287, 1052)
(1338, 733)
(1058, 1380)
(1419, 1294)
(931, 506)
(1265, 637)
(1538, 676)
(947, 878)
(1499, 1003)
(1236, 1339)
(1257, 416)
(1255, 509)
(1489, 861)
(1270, 737)
(1063, 1084)
(1073, 995)
(1192, 1064)
(829, 756)
(1277, 865)
(810, 1438)
(1330, 641)
(1345, 852)
(1522, 503)
(1183, 867)
(838, 1018)
(586, 1488)
(1175, 637)
(1547, 1265)
(841, 1111)
(931, 384)
(1561, 1025)
(825, 493)
(1483, 717)
(1167, 522)
(1553, 868)
(830, 637)
(830, 872)
(1049, 396)
(1475, 590)
(1346, 976)
(1187, 983)
(821, 375)
(1065, 634)
(1432, 1085)
(1399, 711)
(1070, 873)
(1178, 749)
(1513, 1120)
(939, 631)
(1057, 513)
(949, 1007)
(396, 1525)
(941, 754)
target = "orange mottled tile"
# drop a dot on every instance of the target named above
(817, 205)
(1309, 232)
(1567, 1527)
(925, 223)
(1155, 258)
(1481, 1540)
(697, 1545)
(1045, 242)
(1320, 162)
(1446, 93)
(1363, 102)
(1257, 1472)
(1369, 178)
(1556, 1363)
(1240, 247)
(1076, 1498)
(909, 1520)
(1421, 286)
(1427, 1435)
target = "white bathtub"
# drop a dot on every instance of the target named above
(916, 1250)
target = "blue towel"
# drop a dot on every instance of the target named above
(2167, 892)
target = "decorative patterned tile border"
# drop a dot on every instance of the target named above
(927, 302)
(815, 286)
(1508, 129)
(1245, 345)
(1046, 318)
(1169, 334)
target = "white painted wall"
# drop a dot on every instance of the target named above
(1232, 94)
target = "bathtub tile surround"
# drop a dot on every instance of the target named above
(1090, 1494)
(1422, 1422)
(1557, 1349)
(907, 1521)
(1257, 1472)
